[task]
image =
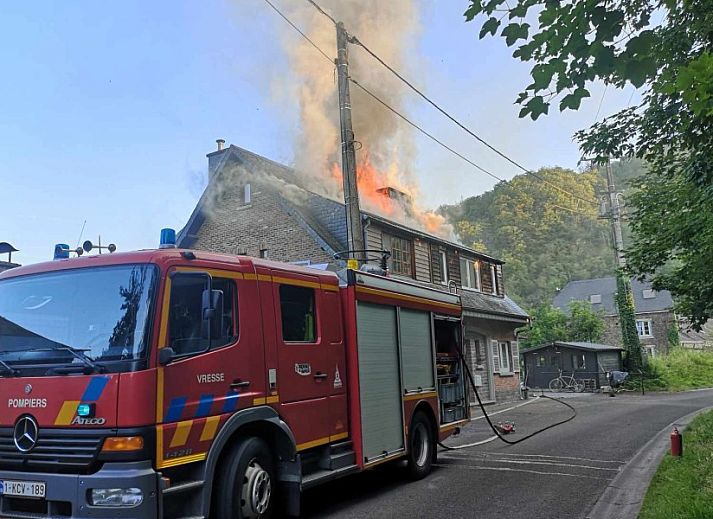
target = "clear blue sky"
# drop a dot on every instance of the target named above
(108, 109)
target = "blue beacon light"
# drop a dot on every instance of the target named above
(168, 239)
(61, 251)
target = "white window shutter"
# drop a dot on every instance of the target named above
(515, 347)
(496, 356)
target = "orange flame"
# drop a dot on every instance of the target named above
(370, 180)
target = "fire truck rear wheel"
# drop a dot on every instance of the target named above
(247, 484)
(421, 446)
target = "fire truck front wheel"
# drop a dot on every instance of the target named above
(246, 485)
(421, 446)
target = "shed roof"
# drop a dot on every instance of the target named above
(586, 346)
(606, 288)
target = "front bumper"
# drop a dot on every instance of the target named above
(67, 494)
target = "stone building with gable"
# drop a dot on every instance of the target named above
(255, 206)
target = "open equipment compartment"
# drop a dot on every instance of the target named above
(449, 369)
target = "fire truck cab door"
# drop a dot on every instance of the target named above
(305, 374)
(206, 381)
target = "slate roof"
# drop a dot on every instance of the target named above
(606, 287)
(485, 303)
(587, 346)
(322, 215)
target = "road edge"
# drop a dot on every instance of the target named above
(624, 495)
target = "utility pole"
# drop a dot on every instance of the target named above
(355, 233)
(614, 216)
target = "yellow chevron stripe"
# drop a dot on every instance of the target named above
(180, 437)
(183, 460)
(66, 412)
(209, 428)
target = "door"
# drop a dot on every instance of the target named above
(379, 381)
(305, 375)
(208, 379)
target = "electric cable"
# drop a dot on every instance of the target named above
(434, 139)
(284, 17)
(356, 41)
(490, 423)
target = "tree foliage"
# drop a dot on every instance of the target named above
(627, 320)
(666, 48)
(532, 227)
(552, 324)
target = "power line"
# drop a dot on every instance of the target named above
(430, 136)
(331, 61)
(314, 4)
(355, 40)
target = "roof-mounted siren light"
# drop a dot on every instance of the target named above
(168, 239)
(61, 251)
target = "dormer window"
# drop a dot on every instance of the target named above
(595, 299)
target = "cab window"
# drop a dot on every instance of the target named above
(298, 314)
(185, 319)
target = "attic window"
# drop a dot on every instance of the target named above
(595, 299)
(648, 293)
(247, 194)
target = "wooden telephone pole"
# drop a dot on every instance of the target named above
(355, 232)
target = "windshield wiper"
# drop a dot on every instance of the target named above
(83, 357)
(88, 364)
(8, 370)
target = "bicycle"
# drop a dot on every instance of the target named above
(568, 383)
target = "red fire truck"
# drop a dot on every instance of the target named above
(177, 383)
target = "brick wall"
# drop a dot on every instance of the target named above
(506, 388)
(233, 227)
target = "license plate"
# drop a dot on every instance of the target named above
(34, 489)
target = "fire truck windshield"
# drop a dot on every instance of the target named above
(76, 319)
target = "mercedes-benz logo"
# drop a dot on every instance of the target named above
(28, 389)
(25, 434)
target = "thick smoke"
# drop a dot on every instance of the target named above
(385, 149)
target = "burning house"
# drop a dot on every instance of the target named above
(258, 207)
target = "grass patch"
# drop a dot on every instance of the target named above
(681, 369)
(683, 487)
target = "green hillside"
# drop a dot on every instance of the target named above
(545, 236)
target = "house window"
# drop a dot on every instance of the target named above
(494, 278)
(401, 256)
(555, 361)
(595, 299)
(247, 194)
(298, 314)
(443, 258)
(643, 326)
(578, 361)
(650, 351)
(505, 357)
(469, 274)
(540, 361)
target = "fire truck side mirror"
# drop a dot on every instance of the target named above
(165, 356)
(212, 308)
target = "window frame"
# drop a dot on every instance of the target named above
(235, 317)
(472, 269)
(504, 347)
(645, 323)
(443, 260)
(576, 357)
(315, 323)
(402, 251)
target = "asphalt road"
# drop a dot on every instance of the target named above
(557, 474)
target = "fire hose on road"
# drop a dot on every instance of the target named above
(498, 434)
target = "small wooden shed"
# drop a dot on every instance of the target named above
(588, 361)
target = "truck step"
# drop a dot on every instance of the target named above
(338, 460)
(322, 476)
(184, 486)
(340, 447)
